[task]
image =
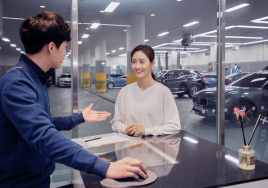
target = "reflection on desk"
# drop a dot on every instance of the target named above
(196, 164)
(152, 151)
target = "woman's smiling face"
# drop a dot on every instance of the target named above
(141, 65)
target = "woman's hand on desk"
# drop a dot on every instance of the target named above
(126, 167)
(91, 115)
(135, 129)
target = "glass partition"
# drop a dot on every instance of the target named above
(11, 48)
(246, 61)
(185, 71)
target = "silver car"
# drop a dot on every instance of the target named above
(65, 80)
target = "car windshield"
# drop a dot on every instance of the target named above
(254, 80)
(158, 74)
(65, 76)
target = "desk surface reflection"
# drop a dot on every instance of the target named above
(179, 162)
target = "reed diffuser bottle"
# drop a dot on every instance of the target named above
(246, 158)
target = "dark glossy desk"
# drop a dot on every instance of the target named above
(181, 163)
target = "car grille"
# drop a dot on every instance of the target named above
(67, 82)
(200, 101)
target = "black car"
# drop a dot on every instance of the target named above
(249, 93)
(236, 76)
(181, 81)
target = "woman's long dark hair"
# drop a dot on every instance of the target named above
(149, 52)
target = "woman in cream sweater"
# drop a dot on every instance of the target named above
(145, 107)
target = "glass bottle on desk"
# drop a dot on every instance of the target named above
(246, 158)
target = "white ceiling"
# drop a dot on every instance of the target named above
(170, 15)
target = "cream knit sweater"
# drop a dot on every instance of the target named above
(155, 109)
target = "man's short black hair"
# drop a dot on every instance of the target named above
(46, 27)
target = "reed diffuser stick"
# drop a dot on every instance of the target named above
(254, 129)
(241, 122)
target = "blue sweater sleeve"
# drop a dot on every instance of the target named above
(20, 104)
(67, 123)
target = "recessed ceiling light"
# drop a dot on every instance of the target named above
(101, 11)
(22, 52)
(178, 0)
(237, 7)
(85, 36)
(122, 48)
(152, 14)
(18, 49)
(6, 39)
(113, 51)
(79, 42)
(146, 40)
(13, 45)
(125, 30)
(122, 55)
(162, 34)
(107, 53)
(111, 7)
(42, 6)
(87, 28)
(94, 26)
(190, 24)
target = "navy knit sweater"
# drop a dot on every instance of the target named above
(30, 140)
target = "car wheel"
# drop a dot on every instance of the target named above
(180, 95)
(192, 90)
(249, 114)
(110, 85)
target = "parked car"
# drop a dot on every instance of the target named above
(249, 93)
(158, 74)
(49, 82)
(116, 81)
(265, 68)
(211, 80)
(65, 80)
(114, 75)
(182, 82)
(236, 76)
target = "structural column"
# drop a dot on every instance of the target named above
(86, 68)
(135, 37)
(159, 62)
(166, 58)
(100, 64)
(179, 59)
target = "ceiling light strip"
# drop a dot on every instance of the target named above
(111, 7)
(190, 24)
(237, 7)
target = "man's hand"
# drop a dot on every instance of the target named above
(135, 129)
(91, 115)
(126, 168)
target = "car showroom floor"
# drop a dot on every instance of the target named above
(60, 100)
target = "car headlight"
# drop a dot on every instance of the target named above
(227, 100)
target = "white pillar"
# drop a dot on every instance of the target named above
(100, 66)
(86, 68)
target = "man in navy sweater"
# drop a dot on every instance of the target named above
(30, 139)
